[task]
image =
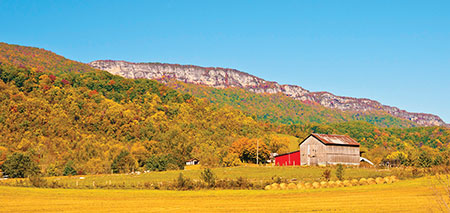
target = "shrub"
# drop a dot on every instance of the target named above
(416, 173)
(326, 174)
(183, 183)
(340, 172)
(277, 179)
(243, 183)
(19, 165)
(208, 177)
(69, 170)
(37, 181)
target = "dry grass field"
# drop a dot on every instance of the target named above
(416, 195)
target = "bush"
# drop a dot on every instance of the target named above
(208, 177)
(183, 183)
(277, 179)
(326, 174)
(243, 183)
(69, 170)
(19, 165)
(340, 172)
(37, 181)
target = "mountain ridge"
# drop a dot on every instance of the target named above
(226, 77)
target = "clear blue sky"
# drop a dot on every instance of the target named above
(396, 52)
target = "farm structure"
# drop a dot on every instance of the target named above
(192, 162)
(288, 159)
(322, 149)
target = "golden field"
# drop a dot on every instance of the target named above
(416, 195)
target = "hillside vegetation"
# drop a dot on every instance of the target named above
(92, 117)
(67, 118)
(278, 108)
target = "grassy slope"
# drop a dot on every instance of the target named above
(253, 173)
(293, 142)
(404, 196)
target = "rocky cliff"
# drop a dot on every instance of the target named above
(222, 78)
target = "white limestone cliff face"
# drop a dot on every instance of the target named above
(222, 78)
(210, 76)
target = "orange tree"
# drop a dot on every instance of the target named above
(250, 149)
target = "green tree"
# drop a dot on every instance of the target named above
(160, 162)
(438, 160)
(208, 177)
(123, 163)
(69, 170)
(19, 165)
(251, 149)
(424, 160)
(183, 183)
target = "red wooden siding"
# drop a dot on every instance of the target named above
(288, 159)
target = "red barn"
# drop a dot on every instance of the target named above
(288, 159)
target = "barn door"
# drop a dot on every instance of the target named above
(312, 155)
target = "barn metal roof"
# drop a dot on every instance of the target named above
(286, 153)
(336, 139)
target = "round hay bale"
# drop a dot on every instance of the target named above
(346, 183)
(354, 182)
(316, 185)
(394, 178)
(275, 186)
(308, 185)
(379, 180)
(323, 184)
(338, 183)
(268, 187)
(292, 186)
(331, 184)
(371, 181)
(283, 186)
(363, 181)
(301, 186)
(387, 180)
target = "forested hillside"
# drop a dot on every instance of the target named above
(92, 117)
(71, 119)
(278, 108)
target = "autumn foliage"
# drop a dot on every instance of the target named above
(72, 119)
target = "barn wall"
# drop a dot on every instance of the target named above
(343, 155)
(321, 154)
(316, 154)
(292, 159)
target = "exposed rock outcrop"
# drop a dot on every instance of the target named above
(223, 77)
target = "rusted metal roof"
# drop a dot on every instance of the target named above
(335, 139)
